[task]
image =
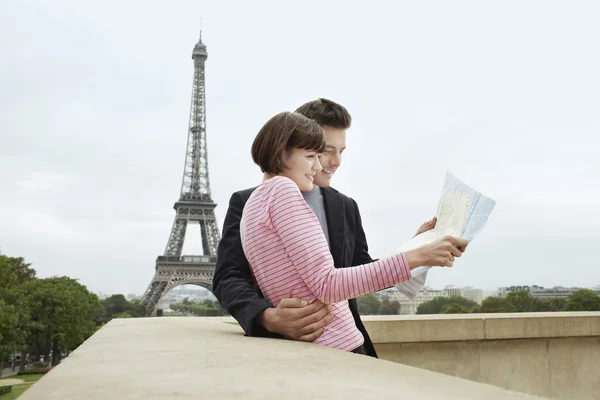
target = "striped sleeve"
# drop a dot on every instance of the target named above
(294, 222)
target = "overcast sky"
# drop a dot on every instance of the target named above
(94, 106)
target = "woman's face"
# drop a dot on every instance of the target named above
(301, 167)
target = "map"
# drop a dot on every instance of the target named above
(452, 213)
(462, 212)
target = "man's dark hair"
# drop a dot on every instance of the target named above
(326, 113)
(284, 132)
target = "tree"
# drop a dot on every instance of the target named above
(115, 304)
(558, 304)
(207, 309)
(522, 300)
(436, 305)
(10, 334)
(497, 305)
(136, 308)
(547, 305)
(14, 314)
(14, 272)
(542, 305)
(583, 300)
(367, 304)
(455, 309)
(64, 312)
(389, 307)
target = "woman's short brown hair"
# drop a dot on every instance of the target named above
(284, 132)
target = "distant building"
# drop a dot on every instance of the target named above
(503, 291)
(543, 293)
(409, 307)
(453, 291)
(473, 294)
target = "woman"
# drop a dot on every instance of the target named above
(286, 247)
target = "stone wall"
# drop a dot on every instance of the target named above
(209, 358)
(554, 355)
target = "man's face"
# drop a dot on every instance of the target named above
(331, 158)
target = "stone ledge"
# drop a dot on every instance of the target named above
(467, 327)
(209, 358)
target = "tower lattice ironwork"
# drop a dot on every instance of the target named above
(195, 204)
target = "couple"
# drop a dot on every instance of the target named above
(293, 256)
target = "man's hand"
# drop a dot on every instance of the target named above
(295, 319)
(427, 226)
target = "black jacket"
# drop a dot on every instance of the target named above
(237, 291)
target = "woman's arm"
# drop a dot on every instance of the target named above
(294, 222)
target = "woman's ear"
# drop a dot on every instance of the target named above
(282, 161)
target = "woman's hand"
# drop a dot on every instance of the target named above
(440, 253)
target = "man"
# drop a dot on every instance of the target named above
(340, 219)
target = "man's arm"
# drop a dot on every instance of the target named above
(232, 283)
(234, 288)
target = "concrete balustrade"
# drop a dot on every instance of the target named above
(209, 358)
(554, 355)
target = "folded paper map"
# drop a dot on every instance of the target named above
(462, 212)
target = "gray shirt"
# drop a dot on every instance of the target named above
(314, 199)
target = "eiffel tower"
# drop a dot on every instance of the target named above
(195, 204)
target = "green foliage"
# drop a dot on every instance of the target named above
(549, 305)
(496, 305)
(5, 389)
(557, 304)
(19, 389)
(122, 315)
(35, 371)
(14, 313)
(117, 306)
(31, 376)
(207, 308)
(10, 333)
(583, 300)
(44, 317)
(14, 271)
(64, 309)
(368, 304)
(522, 300)
(389, 307)
(436, 305)
(455, 308)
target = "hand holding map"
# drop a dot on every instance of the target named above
(462, 212)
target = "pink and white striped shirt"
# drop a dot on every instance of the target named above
(289, 257)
